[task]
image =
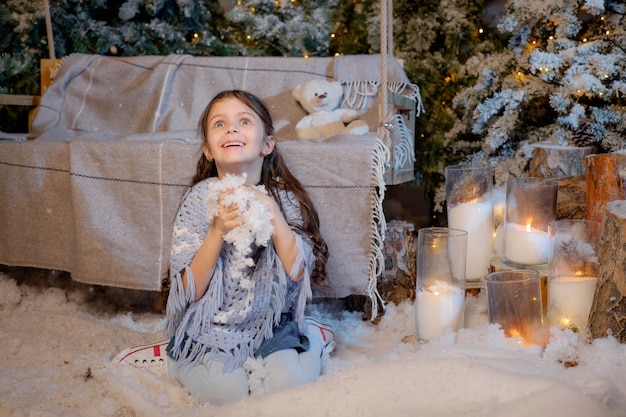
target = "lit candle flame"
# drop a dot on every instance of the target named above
(528, 223)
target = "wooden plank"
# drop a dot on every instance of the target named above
(19, 100)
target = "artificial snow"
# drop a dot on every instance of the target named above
(58, 342)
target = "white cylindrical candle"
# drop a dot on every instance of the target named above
(476, 218)
(439, 307)
(525, 245)
(570, 300)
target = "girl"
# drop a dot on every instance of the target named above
(229, 301)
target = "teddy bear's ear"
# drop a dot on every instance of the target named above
(297, 92)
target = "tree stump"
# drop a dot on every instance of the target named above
(397, 282)
(571, 200)
(608, 311)
(603, 184)
(556, 161)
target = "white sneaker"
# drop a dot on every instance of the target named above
(324, 332)
(151, 357)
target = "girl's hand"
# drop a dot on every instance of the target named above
(228, 216)
(268, 201)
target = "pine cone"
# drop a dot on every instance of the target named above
(584, 136)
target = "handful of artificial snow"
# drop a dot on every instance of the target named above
(256, 219)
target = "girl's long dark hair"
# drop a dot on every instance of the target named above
(275, 176)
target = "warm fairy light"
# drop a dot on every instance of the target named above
(551, 37)
(480, 30)
(306, 56)
(585, 40)
(196, 36)
(514, 333)
(252, 9)
(248, 37)
(607, 32)
(332, 35)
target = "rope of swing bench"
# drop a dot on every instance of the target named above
(46, 5)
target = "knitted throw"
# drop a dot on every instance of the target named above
(242, 303)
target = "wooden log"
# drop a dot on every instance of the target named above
(608, 311)
(603, 184)
(397, 281)
(556, 161)
(571, 201)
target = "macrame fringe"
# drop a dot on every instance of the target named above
(381, 160)
(403, 151)
(358, 94)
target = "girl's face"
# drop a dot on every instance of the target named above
(236, 140)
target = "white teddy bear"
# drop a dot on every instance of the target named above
(321, 99)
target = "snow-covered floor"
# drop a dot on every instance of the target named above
(58, 339)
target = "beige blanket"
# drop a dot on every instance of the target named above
(114, 146)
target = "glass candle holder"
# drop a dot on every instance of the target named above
(515, 304)
(530, 207)
(440, 282)
(572, 272)
(469, 206)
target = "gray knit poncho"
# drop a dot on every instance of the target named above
(231, 320)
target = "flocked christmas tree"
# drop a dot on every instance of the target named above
(152, 27)
(561, 80)
(435, 38)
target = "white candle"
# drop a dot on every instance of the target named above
(570, 300)
(525, 245)
(476, 218)
(439, 307)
